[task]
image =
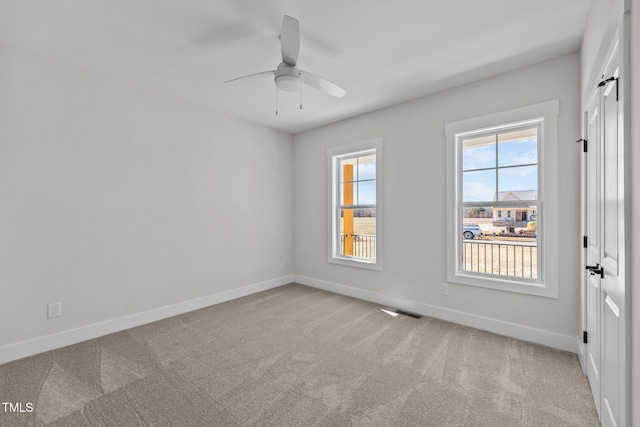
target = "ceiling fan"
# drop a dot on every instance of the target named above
(288, 76)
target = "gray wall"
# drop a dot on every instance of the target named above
(599, 13)
(414, 196)
(115, 200)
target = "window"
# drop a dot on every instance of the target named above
(501, 175)
(355, 204)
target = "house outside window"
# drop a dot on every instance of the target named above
(504, 163)
(355, 204)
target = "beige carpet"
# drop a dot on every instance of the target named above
(297, 356)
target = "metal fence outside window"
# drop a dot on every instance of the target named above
(500, 258)
(364, 245)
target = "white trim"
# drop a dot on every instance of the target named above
(333, 153)
(355, 147)
(581, 358)
(547, 114)
(73, 336)
(525, 333)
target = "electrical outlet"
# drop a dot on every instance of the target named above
(444, 288)
(282, 264)
(54, 310)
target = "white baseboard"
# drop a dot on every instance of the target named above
(525, 333)
(50, 342)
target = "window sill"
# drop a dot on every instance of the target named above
(358, 263)
(535, 288)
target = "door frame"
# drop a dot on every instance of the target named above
(617, 31)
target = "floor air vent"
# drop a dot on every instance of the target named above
(406, 313)
(395, 312)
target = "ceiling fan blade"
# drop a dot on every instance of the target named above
(253, 76)
(323, 85)
(290, 40)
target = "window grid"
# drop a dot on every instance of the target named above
(470, 259)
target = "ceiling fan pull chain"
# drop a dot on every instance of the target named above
(276, 100)
(300, 74)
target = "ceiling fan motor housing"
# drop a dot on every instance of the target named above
(287, 77)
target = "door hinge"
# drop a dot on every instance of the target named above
(610, 79)
(604, 82)
(584, 241)
(584, 144)
(584, 337)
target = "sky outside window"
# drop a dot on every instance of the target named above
(507, 159)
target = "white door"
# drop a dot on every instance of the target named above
(592, 220)
(604, 221)
(613, 292)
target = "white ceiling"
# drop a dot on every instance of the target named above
(381, 52)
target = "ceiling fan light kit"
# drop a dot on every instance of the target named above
(287, 76)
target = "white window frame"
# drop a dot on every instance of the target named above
(334, 154)
(546, 114)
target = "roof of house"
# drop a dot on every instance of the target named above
(504, 196)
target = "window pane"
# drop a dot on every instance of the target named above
(500, 241)
(348, 166)
(479, 153)
(479, 186)
(518, 183)
(518, 148)
(366, 167)
(358, 233)
(366, 193)
(357, 180)
(346, 189)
